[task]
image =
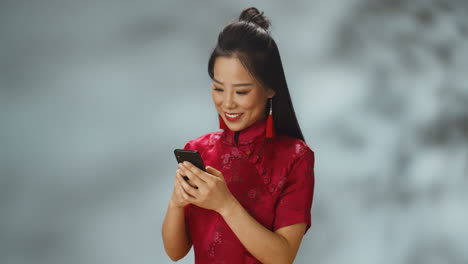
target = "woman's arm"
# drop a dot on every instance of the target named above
(176, 239)
(280, 246)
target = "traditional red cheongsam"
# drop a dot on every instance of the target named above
(273, 179)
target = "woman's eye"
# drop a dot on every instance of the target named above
(242, 92)
(218, 89)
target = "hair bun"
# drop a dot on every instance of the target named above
(252, 14)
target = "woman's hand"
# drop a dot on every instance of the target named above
(176, 237)
(212, 192)
(177, 198)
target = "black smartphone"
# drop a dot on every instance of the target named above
(191, 156)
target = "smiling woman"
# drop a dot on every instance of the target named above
(239, 98)
(253, 202)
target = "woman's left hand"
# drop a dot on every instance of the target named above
(212, 192)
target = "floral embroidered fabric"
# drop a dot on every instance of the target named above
(273, 179)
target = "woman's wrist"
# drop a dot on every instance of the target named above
(228, 207)
(173, 205)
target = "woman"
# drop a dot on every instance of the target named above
(253, 203)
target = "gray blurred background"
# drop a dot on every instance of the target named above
(95, 95)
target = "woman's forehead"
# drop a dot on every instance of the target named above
(231, 70)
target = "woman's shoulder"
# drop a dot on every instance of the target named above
(293, 147)
(203, 141)
(296, 155)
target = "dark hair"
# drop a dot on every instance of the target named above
(249, 40)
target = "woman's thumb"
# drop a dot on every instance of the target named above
(214, 171)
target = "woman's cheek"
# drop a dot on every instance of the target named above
(249, 103)
(216, 99)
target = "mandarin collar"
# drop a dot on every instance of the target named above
(252, 134)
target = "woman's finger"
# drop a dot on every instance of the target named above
(183, 192)
(184, 195)
(209, 178)
(214, 172)
(192, 172)
(183, 174)
(195, 182)
(178, 190)
(191, 183)
(188, 188)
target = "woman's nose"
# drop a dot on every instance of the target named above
(228, 101)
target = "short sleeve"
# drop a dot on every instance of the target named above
(188, 146)
(295, 201)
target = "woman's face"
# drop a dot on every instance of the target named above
(239, 99)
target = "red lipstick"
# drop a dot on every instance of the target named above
(232, 117)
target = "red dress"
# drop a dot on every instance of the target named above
(273, 179)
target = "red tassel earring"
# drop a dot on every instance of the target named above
(270, 129)
(222, 124)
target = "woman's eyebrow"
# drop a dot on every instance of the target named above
(235, 85)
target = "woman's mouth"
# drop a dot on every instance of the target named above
(232, 116)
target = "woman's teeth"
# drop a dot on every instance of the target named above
(233, 116)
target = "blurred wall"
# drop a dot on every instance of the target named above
(95, 95)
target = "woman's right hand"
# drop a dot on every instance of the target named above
(177, 197)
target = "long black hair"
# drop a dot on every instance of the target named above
(249, 40)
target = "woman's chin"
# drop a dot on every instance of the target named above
(234, 128)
